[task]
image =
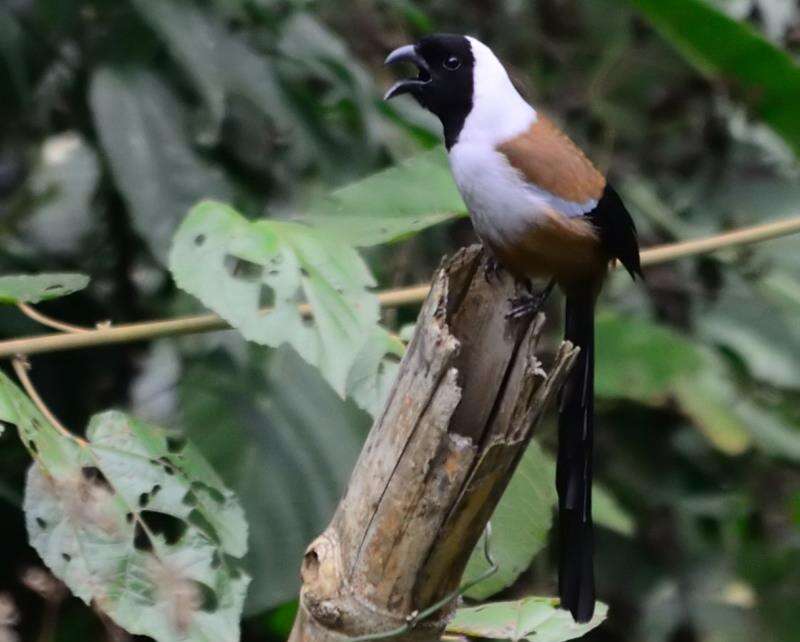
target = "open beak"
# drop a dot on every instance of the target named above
(407, 53)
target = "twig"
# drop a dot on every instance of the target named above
(32, 313)
(389, 298)
(745, 236)
(21, 367)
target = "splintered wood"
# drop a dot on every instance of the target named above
(468, 395)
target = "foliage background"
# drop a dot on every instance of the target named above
(119, 115)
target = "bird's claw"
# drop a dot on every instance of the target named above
(491, 269)
(529, 304)
(525, 306)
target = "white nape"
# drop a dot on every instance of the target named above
(498, 111)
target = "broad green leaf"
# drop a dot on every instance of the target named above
(236, 267)
(767, 77)
(142, 128)
(520, 524)
(763, 333)
(33, 288)
(729, 418)
(639, 360)
(609, 513)
(62, 185)
(134, 521)
(650, 364)
(769, 431)
(708, 397)
(522, 520)
(398, 201)
(537, 619)
(285, 443)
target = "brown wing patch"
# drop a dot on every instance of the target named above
(568, 249)
(550, 160)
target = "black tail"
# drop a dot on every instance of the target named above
(574, 473)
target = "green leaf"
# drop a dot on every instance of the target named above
(769, 431)
(522, 520)
(645, 362)
(608, 512)
(763, 333)
(323, 56)
(639, 360)
(285, 443)
(708, 397)
(375, 369)
(142, 128)
(391, 204)
(236, 267)
(520, 524)
(537, 619)
(134, 521)
(33, 288)
(221, 63)
(768, 78)
(730, 418)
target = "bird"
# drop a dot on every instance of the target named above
(542, 211)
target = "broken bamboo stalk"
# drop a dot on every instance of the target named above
(469, 392)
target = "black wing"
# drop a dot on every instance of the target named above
(617, 231)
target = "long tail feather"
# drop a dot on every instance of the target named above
(574, 472)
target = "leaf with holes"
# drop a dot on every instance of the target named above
(374, 370)
(135, 521)
(33, 288)
(238, 267)
(391, 204)
(531, 618)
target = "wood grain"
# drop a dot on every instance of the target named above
(469, 392)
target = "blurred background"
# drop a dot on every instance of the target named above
(118, 115)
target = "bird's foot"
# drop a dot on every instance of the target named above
(524, 306)
(529, 304)
(492, 269)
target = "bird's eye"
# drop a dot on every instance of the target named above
(452, 63)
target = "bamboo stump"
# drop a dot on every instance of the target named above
(469, 392)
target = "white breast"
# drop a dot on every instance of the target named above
(500, 203)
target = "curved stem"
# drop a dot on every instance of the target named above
(32, 313)
(389, 298)
(21, 367)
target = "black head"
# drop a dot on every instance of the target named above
(444, 83)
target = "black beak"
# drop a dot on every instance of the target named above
(407, 53)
